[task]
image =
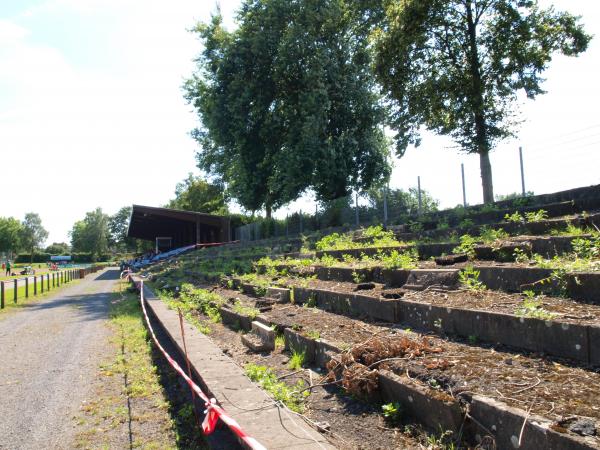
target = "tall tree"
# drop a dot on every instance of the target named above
(197, 194)
(287, 103)
(117, 229)
(33, 234)
(10, 235)
(91, 234)
(456, 66)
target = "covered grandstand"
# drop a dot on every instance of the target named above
(171, 228)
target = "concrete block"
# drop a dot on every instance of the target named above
(234, 319)
(584, 286)
(510, 279)
(395, 277)
(433, 408)
(506, 422)
(594, 347)
(445, 278)
(295, 342)
(264, 332)
(282, 295)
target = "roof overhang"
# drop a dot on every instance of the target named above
(148, 222)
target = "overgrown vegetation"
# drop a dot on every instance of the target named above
(266, 378)
(532, 307)
(375, 236)
(469, 278)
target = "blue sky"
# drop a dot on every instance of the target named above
(91, 113)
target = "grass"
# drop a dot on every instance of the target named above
(297, 360)
(288, 395)
(377, 237)
(9, 302)
(131, 390)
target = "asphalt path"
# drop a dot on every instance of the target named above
(49, 350)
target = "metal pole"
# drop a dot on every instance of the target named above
(48, 278)
(16, 287)
(385, 211)
(522, 170)
(1, 294)
(462, 171)
(419, 194)
(26, 287)
(356, 209)
(34, 285)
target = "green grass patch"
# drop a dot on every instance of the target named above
(288, 395)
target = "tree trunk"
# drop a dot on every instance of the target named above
(481, 136)
(486, 177)
(268, 210)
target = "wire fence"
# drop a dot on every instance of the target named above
(552, 164)
(383, 206)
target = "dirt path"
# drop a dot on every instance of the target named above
(48, 353)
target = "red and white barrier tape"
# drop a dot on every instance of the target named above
(213, 411)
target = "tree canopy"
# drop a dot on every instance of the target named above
(10, 234)
(197, 194)
(456, 66)
(33, 234)
(58, 248)
(91, 235)
(288, 103)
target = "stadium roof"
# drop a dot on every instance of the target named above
(183, 227)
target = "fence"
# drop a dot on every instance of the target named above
(545, 166)
(38, 284)
(387, 207)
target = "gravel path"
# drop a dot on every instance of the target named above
(48, 352)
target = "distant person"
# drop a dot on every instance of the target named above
(3, 266)
(7, 268)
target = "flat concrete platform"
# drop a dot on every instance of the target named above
(273, 427)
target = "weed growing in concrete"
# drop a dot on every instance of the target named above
(489, 235)
(358, 277)
(532, 307)
(400, 260)
(279, 341)
(520, 256)
(297, 360)
(515, 217)
(392, 412)
(466, 223)
(313, 334)
(467, 245)
(536, 216)
(311, 302)
(336, 241)
(443, 441)
(247, 311)
(469, 277)
(288, 395)
(328, 261)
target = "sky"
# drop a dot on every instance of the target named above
(92, 113)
